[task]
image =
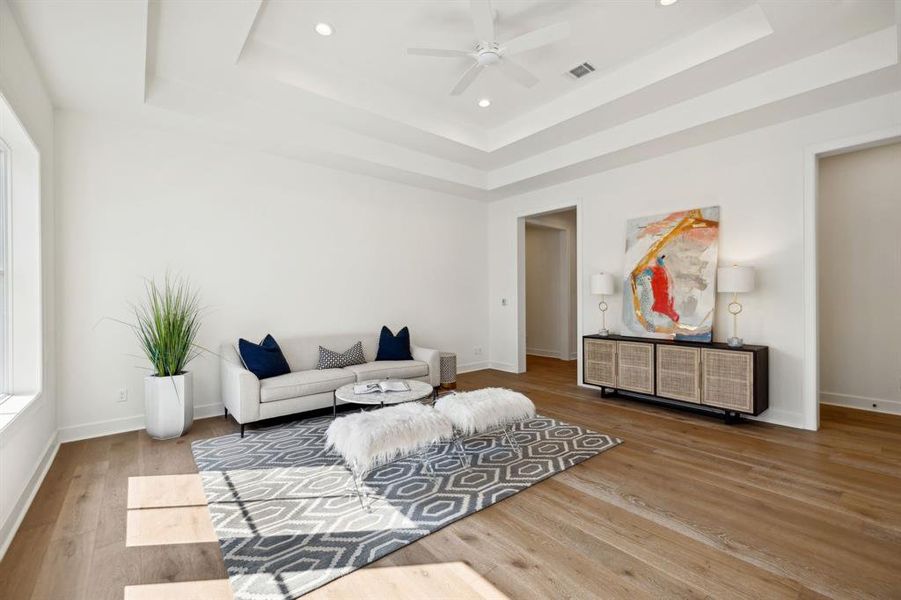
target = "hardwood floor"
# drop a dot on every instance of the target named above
(686, 507)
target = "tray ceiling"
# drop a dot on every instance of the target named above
(256, 73)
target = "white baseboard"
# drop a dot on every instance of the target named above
(499, 366)
(73, 433)
(882, 405)
(473, 366)
(544, 353)
(216, 409)
(551, 354)
(11, 526)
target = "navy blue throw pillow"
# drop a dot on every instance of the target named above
(264, 359)
(394, 347)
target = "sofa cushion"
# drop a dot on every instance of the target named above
(398, 369)
(264, 359)
(303, 383)
(394, 347)
(329, 359)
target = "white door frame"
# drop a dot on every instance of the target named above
(520, 307)
(810, 388)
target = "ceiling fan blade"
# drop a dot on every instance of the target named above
(483, 19)
(536, 39)
(516, 72)
(439, 52)
(466, 80)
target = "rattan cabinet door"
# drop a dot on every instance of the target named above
(635, 367)
(727, 379)
(679, 373)
(600, 362)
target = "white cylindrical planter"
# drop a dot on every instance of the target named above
(168, 405)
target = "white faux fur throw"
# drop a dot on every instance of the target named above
(376, 437)
(485, 410)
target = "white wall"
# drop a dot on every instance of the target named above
(757, 178)
(273, 245)
(28, 435)
(859, 278)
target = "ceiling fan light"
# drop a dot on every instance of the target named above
(488, 57)
(484, 103)
(324, 29)
(666, 2)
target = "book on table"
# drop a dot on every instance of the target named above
(381, 386)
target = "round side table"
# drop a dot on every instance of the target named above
(448, 371)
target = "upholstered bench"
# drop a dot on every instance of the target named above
(366, 440)
(485, 411)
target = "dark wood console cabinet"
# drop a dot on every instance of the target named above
(712, 376)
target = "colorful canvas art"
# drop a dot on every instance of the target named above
(670, 281)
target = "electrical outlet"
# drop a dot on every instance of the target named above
(503, 302)
(477, 351)
(122, 396)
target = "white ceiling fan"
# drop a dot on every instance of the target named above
(489, 52)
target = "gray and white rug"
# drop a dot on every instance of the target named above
(287, 522)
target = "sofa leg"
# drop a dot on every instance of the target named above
(242, 430)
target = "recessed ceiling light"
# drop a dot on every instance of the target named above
(666, 2)
(324, 29)
(484, 103)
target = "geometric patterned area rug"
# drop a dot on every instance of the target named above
(288, 523)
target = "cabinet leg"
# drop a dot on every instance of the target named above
(731, 417)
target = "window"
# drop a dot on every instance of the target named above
(21, 302)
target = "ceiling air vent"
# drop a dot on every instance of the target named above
(582, 70)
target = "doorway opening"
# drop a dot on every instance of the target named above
(859, 278)
(550, 287)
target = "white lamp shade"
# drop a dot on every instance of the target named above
(735, 279)
(602, 284)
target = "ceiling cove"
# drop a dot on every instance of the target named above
(255, 73)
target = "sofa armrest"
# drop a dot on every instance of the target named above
(240, 389)
(433, 358)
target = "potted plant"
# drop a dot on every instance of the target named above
(166, 324)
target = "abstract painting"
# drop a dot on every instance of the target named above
(669, 289)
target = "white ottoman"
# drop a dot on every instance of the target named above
(485, 411)
(368, 439)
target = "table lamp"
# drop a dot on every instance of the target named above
(735, 280)
(602, 284)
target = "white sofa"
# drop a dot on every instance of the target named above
(249, 399)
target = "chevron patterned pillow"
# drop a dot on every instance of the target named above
(329, 359)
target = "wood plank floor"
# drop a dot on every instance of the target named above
(686, 507)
